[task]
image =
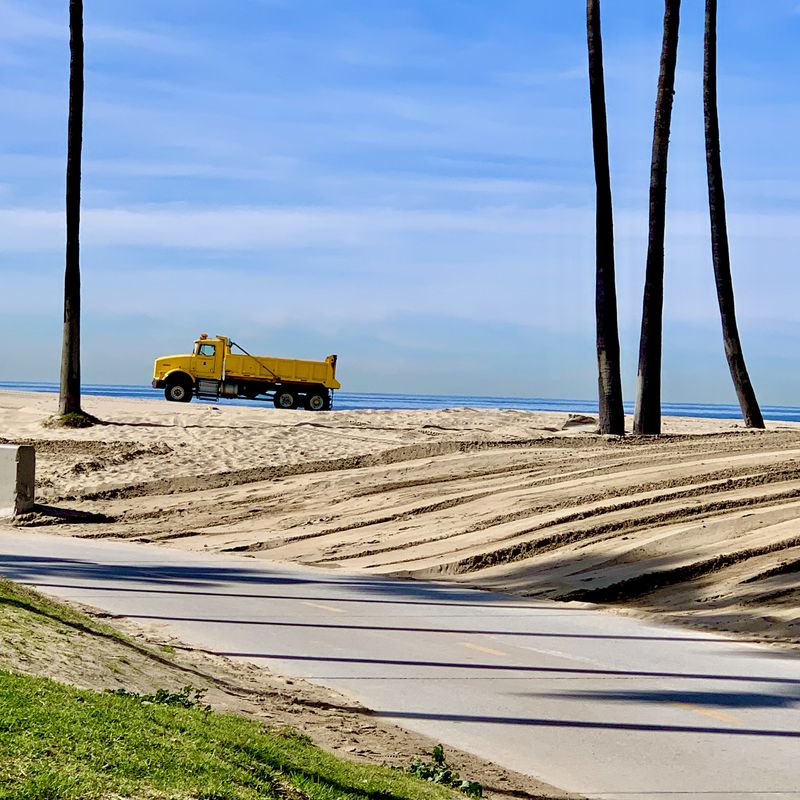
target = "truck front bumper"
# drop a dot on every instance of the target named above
(158, 384)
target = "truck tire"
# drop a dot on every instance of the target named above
(318, 400)
(178, 392)
(285, 398)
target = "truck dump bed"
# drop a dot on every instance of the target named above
(284, 370)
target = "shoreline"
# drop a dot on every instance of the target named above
(387, 401)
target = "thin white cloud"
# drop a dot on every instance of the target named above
(20, 24)
(542, 77)
(254, 227)
(245, 228)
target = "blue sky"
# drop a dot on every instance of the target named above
(407, 183)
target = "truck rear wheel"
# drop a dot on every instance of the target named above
(318, 400)
(178, 392)
(285, 398)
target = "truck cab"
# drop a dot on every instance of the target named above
(178, 374)
(208, 357)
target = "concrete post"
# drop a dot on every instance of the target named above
(17, 478)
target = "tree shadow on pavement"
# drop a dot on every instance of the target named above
(160, 576)
(710, 699)
(511, 632)
(527, 670)
(590, 725)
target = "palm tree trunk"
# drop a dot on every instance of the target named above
(612, 416)
(719, 230)
(70, 395)
(647, 417)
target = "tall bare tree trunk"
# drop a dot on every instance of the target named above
(719, 230)
(70, 395)
(612, 416)
(647, 417)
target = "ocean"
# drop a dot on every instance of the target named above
(348, 401)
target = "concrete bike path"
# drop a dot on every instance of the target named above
(600, 704)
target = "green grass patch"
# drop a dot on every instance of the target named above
(187, 697)
(58, 742)
(437, 770)
(75, 419)
(15, 595)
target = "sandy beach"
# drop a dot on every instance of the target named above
(699, 526)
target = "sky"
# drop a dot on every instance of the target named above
(406, 183)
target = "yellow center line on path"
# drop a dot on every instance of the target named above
(481, 649)
(720, 716)
(324, 607)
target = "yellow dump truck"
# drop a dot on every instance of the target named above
(214, 370)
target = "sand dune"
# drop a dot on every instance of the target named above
(700, 525)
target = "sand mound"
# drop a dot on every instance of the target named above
(579, 421)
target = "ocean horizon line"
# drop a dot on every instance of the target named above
(353, 401)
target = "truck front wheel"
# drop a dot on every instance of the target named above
(318, 400)
(285, 398)
(178, 392)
